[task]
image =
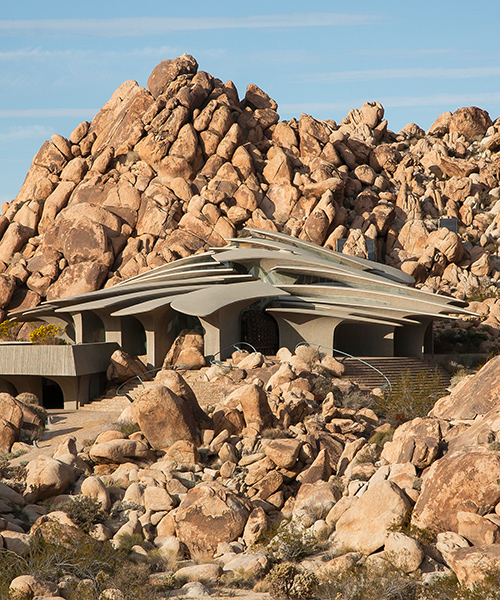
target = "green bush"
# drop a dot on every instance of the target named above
(89, 566)
(7, 330)
(412, 395)
(381, 437)
(49, 334)
(453, 339)
(370, 584)
(323, 385)
(85, 512)
(286, 581)
(291, 542)
(129, 428)
(52, 562)
(127, 541)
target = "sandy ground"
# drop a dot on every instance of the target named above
(86, 423)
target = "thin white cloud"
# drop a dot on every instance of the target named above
(43, 113)
(448, 101)
(129, 26)
(403, 73)
(72, 54)
(403, 52)
(26, 133)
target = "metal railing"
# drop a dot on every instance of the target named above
(347, 355)
(139, 377)
(214, 361)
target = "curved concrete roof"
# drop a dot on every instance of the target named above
(297, 275)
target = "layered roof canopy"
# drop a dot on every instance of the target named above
(295, 276)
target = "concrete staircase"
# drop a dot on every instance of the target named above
(129, 390)
(393, 368)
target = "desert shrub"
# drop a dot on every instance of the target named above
(52, 561)
(133, 580)
(381, 437)
(337, 482)
(483, 291)
(291, 542)
(370, 584)
(275, 433)
(85, 512)
(129, 428)
(455, 339)
(48, 334)
(448, 588)
(368, 454)
(127, 541)
(459, 375)
(323, 385)
(286, 581)
(7, 330)
(4, 466)
(239, 579)
(309, 354)
(357, 399)
(412, 395)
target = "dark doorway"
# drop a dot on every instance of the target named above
(52, 394)
(9, 388)
(133, 336)
(364, 339)
(93, 328)
(260, 329)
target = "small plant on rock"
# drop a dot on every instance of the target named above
(48, 335)
(7, 330)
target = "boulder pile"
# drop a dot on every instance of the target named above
(169, 170)
(272, 468)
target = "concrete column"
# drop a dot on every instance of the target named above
(112, 327)
(298, 328)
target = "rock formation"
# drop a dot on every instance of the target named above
(166, 171)
(274, 461)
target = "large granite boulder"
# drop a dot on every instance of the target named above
(416, 441)
(208, 515)
(47, 477)
(365, 526)
(164, 417)
(177, 384)
(252, 400)
(462, 481)
(123, 367)
(476, 395)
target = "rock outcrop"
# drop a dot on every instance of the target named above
(167, 171)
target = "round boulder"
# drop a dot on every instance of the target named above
(208, 515)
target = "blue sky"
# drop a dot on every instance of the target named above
(61, 61)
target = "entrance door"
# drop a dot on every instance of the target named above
(260, 329)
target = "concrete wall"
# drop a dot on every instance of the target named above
(24, 358)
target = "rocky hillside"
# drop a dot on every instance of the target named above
(167, 171)
(274, 485)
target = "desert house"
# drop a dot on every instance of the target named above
(267, 289)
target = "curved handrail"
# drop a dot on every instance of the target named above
(173, 367)
(214, 361)
(347, 355)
